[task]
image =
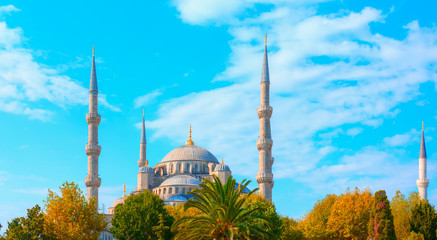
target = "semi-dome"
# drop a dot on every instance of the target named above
(180, 180)
(180, 198)
(190, 152)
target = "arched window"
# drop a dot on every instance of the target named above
(170, 190)
(171, 169)
(165, 191)
(159, 191)
(176, 190)
(195, 167)
(187, 169)
(183, 190)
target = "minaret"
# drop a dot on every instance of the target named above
(143, 143)
(92, 181)
(265, 176)
(422, 182)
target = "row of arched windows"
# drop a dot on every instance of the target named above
(172, 190)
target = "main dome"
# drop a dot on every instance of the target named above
(189, 152)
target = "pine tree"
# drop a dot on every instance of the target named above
(424, 220)
(381, 225)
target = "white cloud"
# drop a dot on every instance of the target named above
(24, 82)
(400, 140)
(326, 71)
(8, 9)
(141, 101)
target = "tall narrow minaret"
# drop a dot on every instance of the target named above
(92, 180)
(143, 143)
(265, 176)
(422, 182)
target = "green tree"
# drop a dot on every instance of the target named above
(350, 215)
(223, 214)
(424, 220)
(69, 216)
(381, 225)
(161, 229)
(139, 218)
(314, 224)
(267, 209)
(290, 230)
(401, 210)
(29, 227)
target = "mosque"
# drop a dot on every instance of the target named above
(183, 168)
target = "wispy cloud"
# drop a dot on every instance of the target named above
(148, 98)
(24, 82)
(327, 72)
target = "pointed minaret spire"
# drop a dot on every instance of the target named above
(422, 182)
(143, 143)
(93, 181)
(265, 176)
(124, 190)
(93, 80)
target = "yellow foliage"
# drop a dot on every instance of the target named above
(314, 224)
(401, 211)
(69, 216)
(350, 215)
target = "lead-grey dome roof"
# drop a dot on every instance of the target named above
(189, 152)
(118, 201)
(180, 180)
(180, 198)
(146, 169)
(222, 167)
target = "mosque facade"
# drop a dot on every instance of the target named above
(183, 168)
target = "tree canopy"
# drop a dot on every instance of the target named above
(424, 220)
(70, 216)
(29, 227)
(141, 216)
(223, 214)
(381, 225)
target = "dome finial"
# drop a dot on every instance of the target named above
(147, 163)
(422, 126)
(222, 160)
(124, 190)
(189, 142)
(265, 39)
(93, 50)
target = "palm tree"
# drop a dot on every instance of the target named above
(223, 215)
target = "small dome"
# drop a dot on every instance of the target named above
(180, 180)
(118, 201)
(245, 191)
(222, 167)
(180, 198)
(189, 152)
(146, 169)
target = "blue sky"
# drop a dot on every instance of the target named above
(351, 82)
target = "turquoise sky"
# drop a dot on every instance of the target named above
(351, 82)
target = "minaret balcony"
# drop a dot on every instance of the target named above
(93, 182)
(264, 144)
(93, 118)
(93, 149)
(264, 111)
(422, 183)
(264, 177)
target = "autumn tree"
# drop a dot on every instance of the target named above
(29, 227)
(401, 210)
(290, 230)
(381, 225)
(424, 220)
(70, 216)
(414, 236)
(350, 215)
(314, 224)
(139, 218)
